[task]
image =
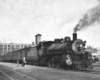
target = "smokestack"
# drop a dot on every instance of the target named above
(38, 38)
(74, 36)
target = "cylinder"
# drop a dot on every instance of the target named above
(74, 36)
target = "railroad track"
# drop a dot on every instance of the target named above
(92, 71)
(6, 75)
(24, 76)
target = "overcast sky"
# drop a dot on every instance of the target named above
(21, 20)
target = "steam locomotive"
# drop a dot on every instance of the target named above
(65, 53)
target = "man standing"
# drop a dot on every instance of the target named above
(23, 61)
(17, 62)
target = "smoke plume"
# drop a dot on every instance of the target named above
(92, 16)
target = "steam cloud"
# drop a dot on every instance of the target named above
(92, 16)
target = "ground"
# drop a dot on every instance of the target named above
(45, 73)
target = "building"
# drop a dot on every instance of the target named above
(91, 49)
(9, 47)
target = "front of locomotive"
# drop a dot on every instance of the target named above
(83, 59)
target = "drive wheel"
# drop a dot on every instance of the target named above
(58, 65)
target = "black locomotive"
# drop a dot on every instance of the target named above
(66, 53)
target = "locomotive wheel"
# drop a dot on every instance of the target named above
(75, 66)
(53, 64)
(49, 64)
(57, 65)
